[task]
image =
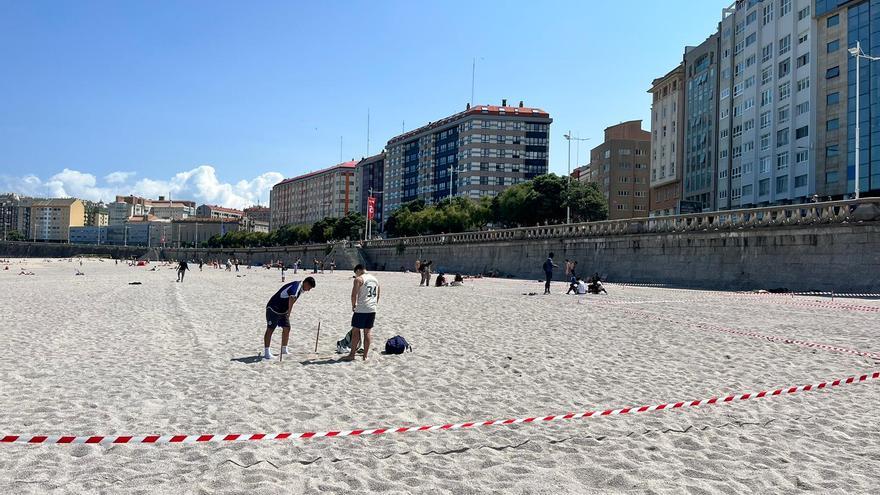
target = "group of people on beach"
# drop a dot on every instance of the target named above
(423, 268)
(576, 285)
(365, 294)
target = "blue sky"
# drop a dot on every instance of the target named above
(217, 100)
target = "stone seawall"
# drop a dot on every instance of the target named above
(841, 257)
(827, 257)
(51, 250)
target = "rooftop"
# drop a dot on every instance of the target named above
(498, 111)
(343, 165)
(224, 209)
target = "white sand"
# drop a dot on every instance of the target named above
(94, 355)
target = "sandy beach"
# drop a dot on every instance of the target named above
(88, 355)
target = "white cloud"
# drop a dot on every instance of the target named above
(118, 177)
(200, 184)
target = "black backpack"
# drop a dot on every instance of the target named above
(397, 345)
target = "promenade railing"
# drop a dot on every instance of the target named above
(832, 212)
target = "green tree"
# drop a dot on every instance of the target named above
(544, 200)
(14, 235)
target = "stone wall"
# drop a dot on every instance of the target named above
(55, 250)
(825, 257)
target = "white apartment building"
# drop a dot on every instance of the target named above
(667, 142)
(765, 100)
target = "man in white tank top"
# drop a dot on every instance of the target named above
(364, 301)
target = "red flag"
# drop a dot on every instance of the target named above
(371, 208)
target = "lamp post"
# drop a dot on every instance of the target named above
(568, 137)
(859, 54)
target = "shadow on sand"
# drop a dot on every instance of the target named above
(248, 359)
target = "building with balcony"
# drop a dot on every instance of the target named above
(477, 152)
(309, 198)
(667, 141)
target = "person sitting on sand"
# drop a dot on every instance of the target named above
(78, 272)
(572, 284)
(441, 280)
(458, 281)
(365, 293)
(23, 272)
(278, 313)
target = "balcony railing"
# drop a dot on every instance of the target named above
(834, 212)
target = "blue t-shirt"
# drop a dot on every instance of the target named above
(280, 300)
(548, 265)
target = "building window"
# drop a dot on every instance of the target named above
(767, 53)
(802, 156)
(784, 91)
(833, 21)
(832, 125)
(832, 150)
(803, 60)
(832, 98)
(800, 181)
(832, 72)
(785, 45)
(782, 184)
(765, 142)
(784, 114)
(803, 108)
(784, 68)
(803, 84)
(804, 13)
(832, 46)
(766, 97)
(803, 38)
(763, 187)
(764, 165)
(784, 7)
(802, 132)
(782, 137)
(831, 177)
(766, 119)
(768, 13)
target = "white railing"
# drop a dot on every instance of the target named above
(771, 216)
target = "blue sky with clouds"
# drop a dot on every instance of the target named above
(218, 100)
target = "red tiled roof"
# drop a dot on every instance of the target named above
(475, 110)
(342, 165)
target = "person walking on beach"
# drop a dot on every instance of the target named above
(426, 273)
(549, 265)
(365, 294)
(278, 313)
(182, 267)
(201, 264)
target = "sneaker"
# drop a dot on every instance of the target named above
(268, 355)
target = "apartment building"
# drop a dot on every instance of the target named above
(667, 141)
(765, 100)
(369, 181)
(219, 212)
(701, 123)
(309, 198)
(474, 153)
(841, 25)
(620, 166)
(260, 214)
(51, 219)
(162, 208)
(96, 214)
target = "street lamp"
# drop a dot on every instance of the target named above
(859, 54)
(569, 138)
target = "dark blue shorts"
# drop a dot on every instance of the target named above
(363, 320)
(275, 320)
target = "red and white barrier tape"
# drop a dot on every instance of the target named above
(728, 293)
(153, 439)
(772, 338)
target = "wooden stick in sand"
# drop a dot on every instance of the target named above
(317, 336)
